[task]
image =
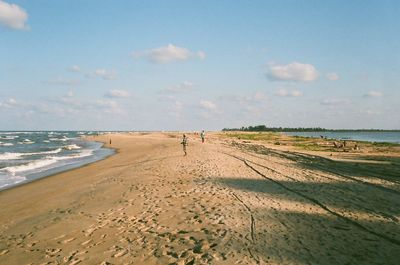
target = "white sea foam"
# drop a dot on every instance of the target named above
(55, 151)
(10, 180)
(58, 139)
(43, 164)
(17, 132)
(13, 156)
(7, 144)
(71, 138)
(10, 156)
(85, 153)
(9, 137)
(26, 141)
(46, 141)
(72, 147)
(53, 133)
(30, 166)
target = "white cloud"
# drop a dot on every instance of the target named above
(63, 82)
(68, 99)
(286, 93)
(115, 93)
(256, 97)
(13, 16)
(296, 93)
(105, 74)
(175, 109)
(174, 106)
(166, 98)
(180, 88)
(335, 102)
(169, 53)
(11, 101)
(8, 103)
(75, 68)
(70, 102)
(109, 106)
(293, 72)
(371, 112)
(106, 103)
(100, 72)
(208, 105)
(70, 94)
(332, 76)
(201, 55)
(373, 94)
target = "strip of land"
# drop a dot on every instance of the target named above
(237, 198)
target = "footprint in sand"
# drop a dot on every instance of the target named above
(120, 253)
(70, 256)
(90, 231)
(32, 244)
(86, 242)
(68, 240)
(52, 251)
(75, 261)
(4, 252)
(59, 237)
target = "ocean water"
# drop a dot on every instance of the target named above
(26, 156)
(379, 137)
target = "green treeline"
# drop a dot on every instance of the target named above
(263, 128)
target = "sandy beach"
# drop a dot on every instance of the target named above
(229, 201)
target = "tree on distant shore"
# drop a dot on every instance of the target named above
(264, 128)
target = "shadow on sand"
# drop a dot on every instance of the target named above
(302, 237)
(382, 167)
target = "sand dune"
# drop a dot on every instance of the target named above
(226, 202)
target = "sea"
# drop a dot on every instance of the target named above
(26, 156)
(369, 136)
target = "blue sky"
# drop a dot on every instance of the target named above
(191, 65)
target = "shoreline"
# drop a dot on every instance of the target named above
(227, 201)
(62, 169)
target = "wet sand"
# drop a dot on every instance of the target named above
(227, 202)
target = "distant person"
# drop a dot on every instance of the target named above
(203, 136)
(184, 143)
(110, 141)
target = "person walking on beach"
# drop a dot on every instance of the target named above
(184, 143)
(203, 136)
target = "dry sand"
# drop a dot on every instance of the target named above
(226, 202)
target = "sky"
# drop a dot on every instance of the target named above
(192, 65)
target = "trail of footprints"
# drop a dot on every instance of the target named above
(199, 236)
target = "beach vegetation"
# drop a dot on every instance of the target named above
(384, 144)
(269, 136)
